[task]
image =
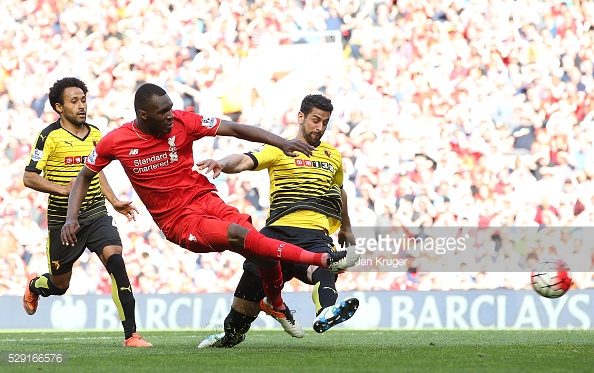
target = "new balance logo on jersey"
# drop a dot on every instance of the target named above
(129, 288)
(133, 151)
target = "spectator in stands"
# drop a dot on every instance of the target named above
(534, 77)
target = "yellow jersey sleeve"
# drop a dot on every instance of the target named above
(42, 151)
(265, 157)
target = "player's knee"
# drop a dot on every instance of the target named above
(110, 251)
(114, 260)
(236, 235)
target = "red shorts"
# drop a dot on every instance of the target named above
(202, 225)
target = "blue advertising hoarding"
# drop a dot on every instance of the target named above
(472, 309)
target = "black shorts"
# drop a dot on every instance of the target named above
(94, 235)
(250, 285)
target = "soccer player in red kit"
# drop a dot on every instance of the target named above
(155, 151)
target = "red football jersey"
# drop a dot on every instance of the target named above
(159, 167)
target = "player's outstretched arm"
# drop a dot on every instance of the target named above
(256, 134)
(123, 207)
(232, 164)
(75, 200)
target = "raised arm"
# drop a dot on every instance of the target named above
(259, 135)
(75, 200)
(231, 164)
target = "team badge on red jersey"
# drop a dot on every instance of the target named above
(172, 149)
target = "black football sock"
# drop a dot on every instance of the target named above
(43, 286)
(237, 323)
(121, 293)
(324, 293)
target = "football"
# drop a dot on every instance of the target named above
(551, 278)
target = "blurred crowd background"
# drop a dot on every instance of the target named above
(447, 113)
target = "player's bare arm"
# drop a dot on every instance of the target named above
(75, 200)
(37, 182)
(259, 135)
(232, 164)
(345, 234)
(123, 207)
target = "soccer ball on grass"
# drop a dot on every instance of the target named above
(551, 278)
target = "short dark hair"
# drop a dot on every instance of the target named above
(56, 92)
(315, 101)
(144, 94)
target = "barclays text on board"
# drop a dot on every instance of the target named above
(480, 309)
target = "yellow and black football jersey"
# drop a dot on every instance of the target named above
(60, 155)
(305, 192)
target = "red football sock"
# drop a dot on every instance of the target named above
(269, 248)
(272, 279)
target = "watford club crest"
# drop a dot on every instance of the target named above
(327, 153)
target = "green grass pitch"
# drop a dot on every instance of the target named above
(338, 350)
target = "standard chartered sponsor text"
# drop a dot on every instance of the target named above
(149, 162)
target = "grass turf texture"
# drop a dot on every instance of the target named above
(335, 351)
